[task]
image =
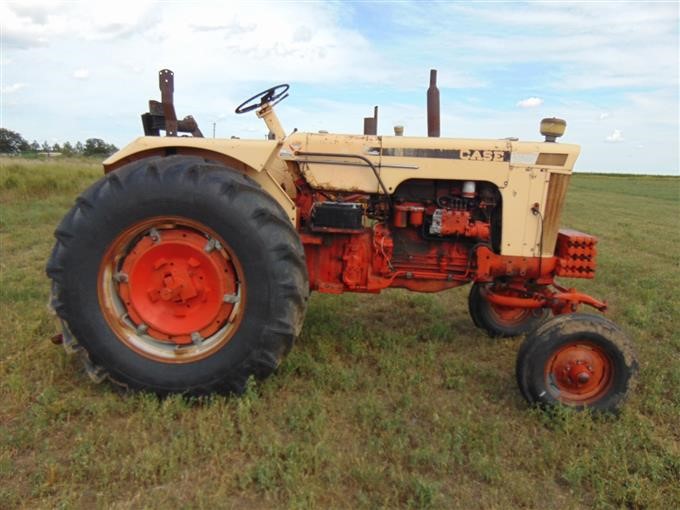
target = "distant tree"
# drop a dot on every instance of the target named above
(12, 142)
(67, 149)
(98, 147)
(94, 146)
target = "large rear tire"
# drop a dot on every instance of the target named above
(177, 275)
(578, 360)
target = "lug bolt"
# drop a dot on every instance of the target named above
(120, 277)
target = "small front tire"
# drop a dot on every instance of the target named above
(578, 360)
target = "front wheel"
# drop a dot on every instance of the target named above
(178, 275)
(578, 360)
(502, 321)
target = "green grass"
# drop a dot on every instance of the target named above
(388, 401)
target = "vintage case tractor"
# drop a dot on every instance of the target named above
(188, 266)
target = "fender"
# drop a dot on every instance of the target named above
(258, 159)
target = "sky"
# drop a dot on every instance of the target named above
(71, 71)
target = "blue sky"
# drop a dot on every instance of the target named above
(72, 71)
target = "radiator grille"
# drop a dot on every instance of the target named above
(557, 191)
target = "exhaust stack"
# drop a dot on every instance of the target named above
(433, 106)
(371, 123)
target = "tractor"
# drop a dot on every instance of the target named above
(188, 266)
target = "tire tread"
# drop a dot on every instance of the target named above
(285, 256)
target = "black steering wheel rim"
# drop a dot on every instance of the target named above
(266, 96)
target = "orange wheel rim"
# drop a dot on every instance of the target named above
(509, 315)
(579, 373)
(171, 289)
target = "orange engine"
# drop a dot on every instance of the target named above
(433, 235)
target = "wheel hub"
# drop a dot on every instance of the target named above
(509, 315)
(580, 372)
(176, 286)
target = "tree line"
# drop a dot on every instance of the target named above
(12, 142)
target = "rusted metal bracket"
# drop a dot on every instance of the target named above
(161, 115)
(563, 301)
(166, 82)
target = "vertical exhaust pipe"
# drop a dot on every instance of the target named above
(433, 106)
(371, 123)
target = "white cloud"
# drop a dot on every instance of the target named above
(11, 89)
(302, 34)
(24, 25)
(250, 42)
(33, 24)
(604, 115)
(530, 102)
(637, 46)
(81, 74)
(615, 137)
(35, 12)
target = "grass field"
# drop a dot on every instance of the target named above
(387, 401)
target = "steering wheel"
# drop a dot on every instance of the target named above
(274, 94)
